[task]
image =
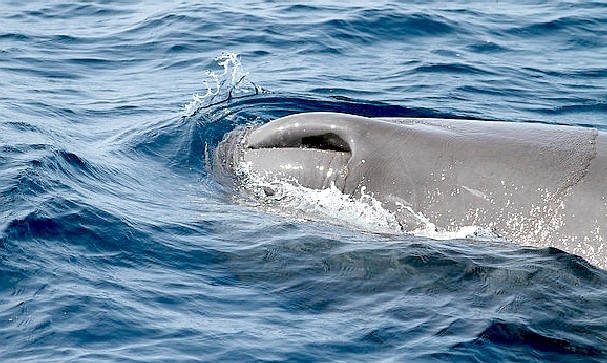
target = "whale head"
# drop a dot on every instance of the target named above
(321, 150)
(311, 150)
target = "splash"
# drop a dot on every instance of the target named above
(222, 86)
(288, 198)
(322, 205)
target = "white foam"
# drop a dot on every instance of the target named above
(287, 198)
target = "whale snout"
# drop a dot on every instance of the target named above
(311, 152)
(229, 153)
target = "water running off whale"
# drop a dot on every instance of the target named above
(533, 184)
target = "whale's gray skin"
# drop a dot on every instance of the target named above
(536, 184)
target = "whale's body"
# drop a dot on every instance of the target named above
(535, 184)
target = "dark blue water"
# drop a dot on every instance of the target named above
(117, 244)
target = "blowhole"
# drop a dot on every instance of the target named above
(326, 142)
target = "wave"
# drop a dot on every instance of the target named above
(373, 24)
(501, 335)
(67, 11)
(452, 68)
(472, 302)
(565, 25)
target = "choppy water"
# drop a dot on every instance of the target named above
(117, 244)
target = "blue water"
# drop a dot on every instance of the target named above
(117, 244)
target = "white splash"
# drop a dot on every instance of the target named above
(228, 81)
(277, 194)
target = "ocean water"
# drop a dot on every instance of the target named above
(118, 243)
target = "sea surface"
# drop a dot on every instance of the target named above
(118, 243)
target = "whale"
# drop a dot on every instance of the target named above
(535, 184)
